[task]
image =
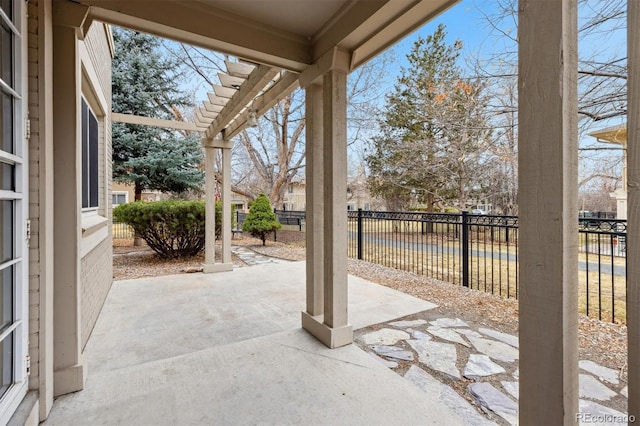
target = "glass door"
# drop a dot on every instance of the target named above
(13, 212)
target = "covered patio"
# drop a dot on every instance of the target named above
(320, 42)
(228, 349)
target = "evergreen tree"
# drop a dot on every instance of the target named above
(261, 219)
(145, 83)
(433, 130)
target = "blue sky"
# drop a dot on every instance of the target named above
(465, 21)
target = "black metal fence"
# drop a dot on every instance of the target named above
(481, 252)
(602, 268)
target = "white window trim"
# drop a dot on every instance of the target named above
(125, 193)
(94, 220)
(14, 395)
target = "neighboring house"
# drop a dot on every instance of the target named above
(123, 193)
(617, 135)
(358, 195)
(295, 197)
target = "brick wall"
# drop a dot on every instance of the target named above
(96, 268)
(34, 194)
(96, 276)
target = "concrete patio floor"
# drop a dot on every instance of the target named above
(227, 348)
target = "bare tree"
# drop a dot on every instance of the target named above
(602, 84)
(269, 157)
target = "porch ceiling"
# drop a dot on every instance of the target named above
(273, 34)
(288, 34)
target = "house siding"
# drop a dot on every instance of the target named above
(34, 192)
(96, 276)
(96, 267)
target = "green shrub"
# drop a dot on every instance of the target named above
(171, 228)
(261, 220)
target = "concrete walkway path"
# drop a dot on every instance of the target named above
(227, 348)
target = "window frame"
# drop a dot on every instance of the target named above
(19, 329)
(118, 193)
(90, 156)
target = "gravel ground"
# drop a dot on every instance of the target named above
(601, 342)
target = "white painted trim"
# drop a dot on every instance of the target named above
(90, 81)
(91, 240)
(13, 397)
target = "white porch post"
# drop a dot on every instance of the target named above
(68, 363)
(335, 204)
(210, 264)
(314, 210)
(548, 158)
(633, 206)
(210, 209)
(226, 208)
(332, 327)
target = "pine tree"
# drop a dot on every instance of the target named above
(145, 83)
(433, 130)
(261, 220)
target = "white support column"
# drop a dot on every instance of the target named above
(210, 210)
(314, 189)
(210, 264)
(548, 159)
(226, 208)
(334, 330)
(68, 363)
(633, 206)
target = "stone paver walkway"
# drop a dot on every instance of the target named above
(251, 258)
(474, 370)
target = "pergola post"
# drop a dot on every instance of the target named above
(633, 206)
(314, 190)
(210, 209)
(332, 327)
(548, 160)
(210, 264)
(226, 207)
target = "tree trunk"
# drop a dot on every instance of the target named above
(137, 241)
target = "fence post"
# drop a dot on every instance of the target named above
(465, 248)
(359, 236)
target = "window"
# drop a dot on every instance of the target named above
(89, 157)
(119, 198)
(290, 189)
(13, 212)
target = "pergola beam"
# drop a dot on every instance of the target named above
(157, 122)
(217, 100)
(217, 143)
(238, 69)
(256, 82)
(224, 92)
(285, 85)
(211, 107)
